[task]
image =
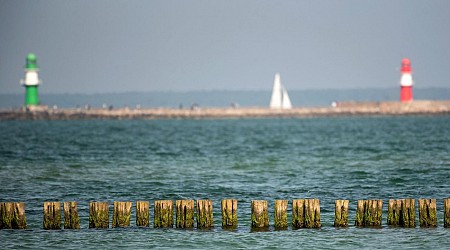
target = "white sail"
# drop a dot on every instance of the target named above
(275, 101)
(286, 102)
(280, 98)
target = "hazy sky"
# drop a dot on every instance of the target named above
(116, 46)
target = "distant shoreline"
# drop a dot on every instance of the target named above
(342, 109)
(221, 99)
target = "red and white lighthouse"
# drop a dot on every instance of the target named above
(406, 82)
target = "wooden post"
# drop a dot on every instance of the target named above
(394, 211)
(402, 213)
(312, 213)
(408, 213)
(341, 213)
(52, 215)
(71, 218)
(229, 214)
(280, 214)
(121, 214)
(98, 215)
(306, 213)
(359, 220)
(12, 215)
(298, 214)
(427, 213)
(260, 214)
(142, 213)
(6, 215)
(163, 214)
(205, 218)
(369, 213)
(447, 213)
(185, 214)
(374, 212)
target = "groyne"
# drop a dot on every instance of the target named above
(305, 214)
(339, 109)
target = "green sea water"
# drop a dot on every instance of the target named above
(246, 159)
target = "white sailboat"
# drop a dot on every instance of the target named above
(280, 98)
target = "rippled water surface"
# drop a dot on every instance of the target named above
(327, 158)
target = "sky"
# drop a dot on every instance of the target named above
(93, 46)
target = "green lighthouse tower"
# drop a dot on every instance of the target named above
(31, 81)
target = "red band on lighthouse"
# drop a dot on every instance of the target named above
(406, 94)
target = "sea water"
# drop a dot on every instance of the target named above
(246, 159)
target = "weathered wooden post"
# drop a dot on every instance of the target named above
(98, 215)
(341, 213)
(71, 218)
(298, 214)
(205, 218)
(427, 213)
(447, 213)
(369, 213)
(306, 213)
(142, 213)
(163, 214)
(185, 214)
(394, 212)
(260, 214)
(229, 214)
(52, 215)
(19, 221)
(280, 215)
(121, 214)
(12, 215)
(6, 215)
(360, 210)
(408, 218)
(402, 213)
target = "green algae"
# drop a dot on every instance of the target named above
(205, 217)
(280, 215)
(369, 213)
(427, 213)
(163, 215)
(99, 215)
(142, 214)
(12, 215)
(71, 218)
(260, 214)
(185, 214)
(306, 213)
(52, 215)
(229, 214)
(122, 214)
(341, 213)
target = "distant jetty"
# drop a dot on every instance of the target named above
(339, 109)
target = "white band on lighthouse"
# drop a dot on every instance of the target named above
(31, 78)
(406, 80)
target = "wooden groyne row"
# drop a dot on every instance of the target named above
(305, 214)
